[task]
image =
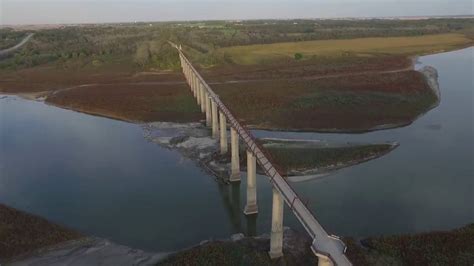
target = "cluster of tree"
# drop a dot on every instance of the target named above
(10, 37)
(271, 31)
(145, 44)
(157, 54)
(94, 43)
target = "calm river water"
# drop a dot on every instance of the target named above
(101, 176)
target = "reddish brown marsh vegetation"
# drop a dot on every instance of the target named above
(21, 233)
(133, 102)
(352, 103)
(454, 247)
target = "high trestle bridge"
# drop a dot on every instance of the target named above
(329, 248)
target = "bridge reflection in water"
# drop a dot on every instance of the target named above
(231, 198)
(329, 248)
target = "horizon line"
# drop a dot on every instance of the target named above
(417, 17)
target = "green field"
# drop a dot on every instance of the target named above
(261, 53)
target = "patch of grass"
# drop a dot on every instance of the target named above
(21, 233)
(304, 158)
(454, 247)
(258, 53)
(223, 253)
(247, 251)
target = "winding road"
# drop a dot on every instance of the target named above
(12, 49)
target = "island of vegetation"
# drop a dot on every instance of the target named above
(297, 160)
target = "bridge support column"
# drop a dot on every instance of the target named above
(186, 72)
(203, 99)
(194, 84)
(323, 260)
(251, 206)
(188, 77)
(215, 122)
(208, 111)
(276, 239)
(198, 92)
(223, 131)
(190, 80)
(235, 160)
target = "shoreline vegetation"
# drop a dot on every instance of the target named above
(19, 228)
(22, 233)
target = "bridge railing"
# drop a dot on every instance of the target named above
(323, 243)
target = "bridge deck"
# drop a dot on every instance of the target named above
(328, 245)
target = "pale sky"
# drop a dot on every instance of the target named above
(92, 11)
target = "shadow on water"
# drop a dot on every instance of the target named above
(231, 198)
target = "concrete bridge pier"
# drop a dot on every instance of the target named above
(208, 111)
(198, 92)
(188, 76)
(276, 238)
(203, 98)
(223, 131)
(324, 260)
(186, 71)
(194, 84)
(235, 160)
(196, 88)
(191, 82)
(251, 207)
(215, 122)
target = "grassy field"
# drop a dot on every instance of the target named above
(265, 53)
(316, 66)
